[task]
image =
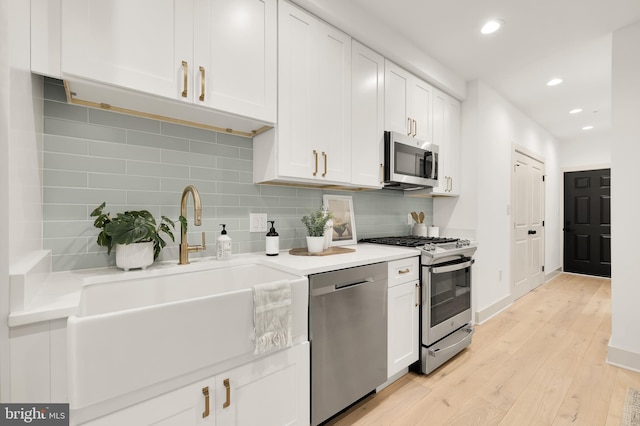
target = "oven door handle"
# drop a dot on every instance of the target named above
(450, 268)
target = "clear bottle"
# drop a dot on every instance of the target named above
(272, 240)
(223, 245)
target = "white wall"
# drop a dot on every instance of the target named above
(624, 346)
(20, 154)
(592, 150)
(491, 127)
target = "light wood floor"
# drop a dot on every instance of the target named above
(539, 362)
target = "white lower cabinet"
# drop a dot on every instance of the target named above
(403, 314)
(273, 390)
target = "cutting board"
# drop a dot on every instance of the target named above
(302, 251)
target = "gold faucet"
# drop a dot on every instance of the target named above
(185, 248)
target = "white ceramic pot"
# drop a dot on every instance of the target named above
(419, 229)
(315, 244)
(136, 255)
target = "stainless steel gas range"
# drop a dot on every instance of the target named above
(445, 317)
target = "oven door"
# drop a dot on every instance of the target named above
(446, 298)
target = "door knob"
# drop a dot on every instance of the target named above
(531, 232)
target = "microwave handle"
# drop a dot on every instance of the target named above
(434, 163)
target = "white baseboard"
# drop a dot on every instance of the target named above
(623, 358)
(551, 275)
(493, 310)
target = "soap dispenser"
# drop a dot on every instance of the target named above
(223, 245)
(272, 240)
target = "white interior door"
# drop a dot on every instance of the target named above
(528, 224)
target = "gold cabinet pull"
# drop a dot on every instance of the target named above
(415, 127)
(185, 74)
(227, 386)
(205, 392)
(404, 271)
(202, 84)
(324, 154)
(418, 293)
(315, 153)
(410, 126)
(381, 173)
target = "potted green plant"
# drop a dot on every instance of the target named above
(315, 222)
(135, 235)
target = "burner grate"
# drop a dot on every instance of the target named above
(408, 241)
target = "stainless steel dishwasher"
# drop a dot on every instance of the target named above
(348, 333)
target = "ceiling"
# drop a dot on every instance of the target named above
(539, 40)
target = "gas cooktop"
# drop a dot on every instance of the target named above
(408, 240)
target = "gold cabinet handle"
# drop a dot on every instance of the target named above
(410, 126)
(415, 127)
(450, 184)
(404, 271)
(324, 154)
(418, 293)
(227, 386)
(185, 76)
(381, 173)
(315, 154)
(205, 392)
(202, 84)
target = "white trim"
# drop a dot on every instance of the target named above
(491, 311)
(552, 274)
(623, 358)
(526, 151)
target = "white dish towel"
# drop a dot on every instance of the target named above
(272, 316)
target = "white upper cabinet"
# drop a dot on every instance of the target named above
(367, 116)
(139, 45)
(446, 134)
(235, 56)
(312, 142)
(218, 54)
(408, 103)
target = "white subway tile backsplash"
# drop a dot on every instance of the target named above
(92, 155)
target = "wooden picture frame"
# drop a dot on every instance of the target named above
(344, 224)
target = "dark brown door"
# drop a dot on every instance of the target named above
(587, 222)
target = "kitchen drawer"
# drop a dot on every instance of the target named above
(403, 270)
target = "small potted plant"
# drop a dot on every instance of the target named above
(315, 223)
(134, 234)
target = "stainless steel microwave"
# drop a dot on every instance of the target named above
(409, 163)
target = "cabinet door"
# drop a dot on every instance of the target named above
(271, 391)
(333, 120)
(367, 116)
(421, 101)
(183, 407)
(446, 134)
(138, 45)
(235, 56)
(397, 85)
(297, 87)
(452, 135)
(402, 326)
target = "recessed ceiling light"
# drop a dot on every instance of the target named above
(554, 82)
(575, 111)
(491, 26)
(587, 128)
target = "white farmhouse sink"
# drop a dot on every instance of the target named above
(140, 333)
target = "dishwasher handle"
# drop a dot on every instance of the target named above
(338, 287)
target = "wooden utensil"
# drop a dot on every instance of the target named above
(414, 215)
(421, 217)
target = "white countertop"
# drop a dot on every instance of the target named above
(60, 294)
